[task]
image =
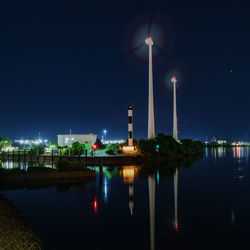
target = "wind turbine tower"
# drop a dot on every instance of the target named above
(175, 133)
(151, 119)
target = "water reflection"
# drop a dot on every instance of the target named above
(160, 220)
(128, 173)
(23, 165)
(151, 187)
(176, 200)
(221, 152)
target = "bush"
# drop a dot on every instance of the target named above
(112, 149)
(168, 146)
(110, 152)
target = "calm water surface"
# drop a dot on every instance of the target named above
(203, 205)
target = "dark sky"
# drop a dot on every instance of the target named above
(63, 65)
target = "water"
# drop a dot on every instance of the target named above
(202, 205)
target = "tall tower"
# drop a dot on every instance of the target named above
(130, 126)
(151, 119)
(175, 133)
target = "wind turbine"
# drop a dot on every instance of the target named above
(175, 133)
(150, 43)
(151, 118)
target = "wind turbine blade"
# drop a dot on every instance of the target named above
(150, 22)
(164, 52)
(135, 49)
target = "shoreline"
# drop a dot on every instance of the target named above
(96, 160)
(16, 231)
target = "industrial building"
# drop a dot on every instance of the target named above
(69, 139)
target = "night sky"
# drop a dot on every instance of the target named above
(65, 65)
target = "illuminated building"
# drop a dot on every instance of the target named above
(221, 142)
(69, 139)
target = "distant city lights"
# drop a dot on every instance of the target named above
(119, 141)
(30, 142)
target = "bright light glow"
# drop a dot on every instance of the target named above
(45, 140)
(112, 141)
(128, 148)
(26, 142)
(8, 149)
(128, 174)
(149, 41)
(173, 80)
(105, 131)
(21, 142)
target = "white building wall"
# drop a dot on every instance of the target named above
(68, 140)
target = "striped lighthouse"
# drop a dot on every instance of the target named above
(130, 126)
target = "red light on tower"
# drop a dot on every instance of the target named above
(173, 79)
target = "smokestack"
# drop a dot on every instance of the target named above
(130, 126)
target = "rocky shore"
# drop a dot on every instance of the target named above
(15, 231)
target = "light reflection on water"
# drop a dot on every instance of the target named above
(155, 208)
(24, 165)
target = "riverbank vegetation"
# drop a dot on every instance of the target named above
(162, 146)
(166, 146)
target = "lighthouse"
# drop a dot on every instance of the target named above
(130, 126)
(130, 147)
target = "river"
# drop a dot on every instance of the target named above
(198, 205)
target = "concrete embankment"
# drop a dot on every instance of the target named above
(16, 232)
(10, 180)
(95, 160)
